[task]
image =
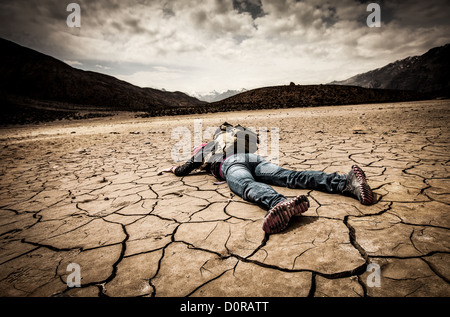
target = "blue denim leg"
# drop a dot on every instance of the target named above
(238, 171)
(275, 175)
(249, 176)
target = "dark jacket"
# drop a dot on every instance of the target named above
(212, 165)
(227, 140)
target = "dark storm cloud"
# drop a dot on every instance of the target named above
(30, 22)
(221, 6)
(310, 37)
(199, 18)
(167, 11)
(254, 7)
(22, 20)
(134, 25)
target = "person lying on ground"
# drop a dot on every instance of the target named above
(249, 176)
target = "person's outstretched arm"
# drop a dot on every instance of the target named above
(193, 163)
(186, 168)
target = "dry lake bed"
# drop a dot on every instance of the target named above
(82, 203)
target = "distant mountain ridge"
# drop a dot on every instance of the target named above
(428, 73)
(28, 75)
(36, 88)
(292, 96)
(214, 96)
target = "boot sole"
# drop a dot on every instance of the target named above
(279, 216)
(367, 195)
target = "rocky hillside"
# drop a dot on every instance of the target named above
(35, 87)
(311, 96)
(29, 79)
(428, 73)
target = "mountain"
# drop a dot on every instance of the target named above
(428, 73)
(35, 87)
(290, 96)
(31, 80)
(214, 96)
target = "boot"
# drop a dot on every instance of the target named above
(278, 217)
(357, 186)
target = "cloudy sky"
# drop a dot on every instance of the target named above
(204, 45)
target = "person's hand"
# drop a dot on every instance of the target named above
(169, 169)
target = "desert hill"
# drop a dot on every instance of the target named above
(292, 95)
(33, 82)
(428, 73)
(35, 88)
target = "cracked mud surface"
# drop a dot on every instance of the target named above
(89, 193)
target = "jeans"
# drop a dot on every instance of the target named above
(249, 176)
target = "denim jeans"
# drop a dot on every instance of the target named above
(249, 177)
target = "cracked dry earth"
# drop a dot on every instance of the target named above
(89, 193)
